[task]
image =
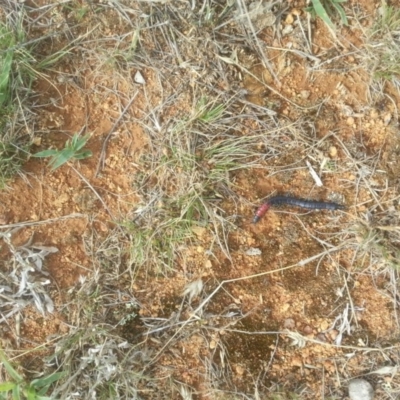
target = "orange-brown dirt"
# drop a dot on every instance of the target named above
(306, 299)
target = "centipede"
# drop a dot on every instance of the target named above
(296, 202)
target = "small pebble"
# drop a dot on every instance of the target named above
(308, 330)
(37, 141)
(305, 94)
(287, 30)
(289, 323)
(297, 362)
(138, 78)
(333, 334)
(387, 118)
(321, 337)
(374, 114)
(333, 152)
(289, 19)
(360, 389)
(350, 121)
(253, 252)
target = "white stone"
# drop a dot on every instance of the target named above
(138, 78)
(360, 389)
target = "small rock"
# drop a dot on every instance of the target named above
(350, 121)
(289, 323)
(374, 114)
(360, 389)
(387, 118)
(332, 152)
(305, 94)
(285, 307)
(252, 251)
(287, 30)
(260, 15)
(333, 334)
(267, 76)
(289, 19)
(308, 330)
(239, 369)
(297, 362)
(268, 19)
(199, 230)
(37, 141)
(138, 78)
(321, 337)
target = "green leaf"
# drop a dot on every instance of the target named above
(78, 143)
(11, 371)
(53, 58)
(5, 75)
(46, 153)
(72, 150)
(341, 12)
(31, 393)
(16, 393)
(321, 12)
(83, 154)
(45, 382)
(7, 386)
(59, 160)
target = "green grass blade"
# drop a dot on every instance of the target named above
(44, 383)
(10, 370)
(63, 157)
(16, 393)
(7, 386)
(45, 153)
(83, 154)
(78, 142)
(5, 68)
(341, 12)
(321, 13)
(31, 394)
(52, 59)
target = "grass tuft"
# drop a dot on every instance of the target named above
(20, 66)
(19, 388)
(73, 150)
(383, 44)
(182, 181)
(325, 9)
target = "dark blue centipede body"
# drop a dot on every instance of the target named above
(302, 203)
(293, 201)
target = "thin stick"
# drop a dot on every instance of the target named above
(46, 221)
(100, 164)
(94, 191)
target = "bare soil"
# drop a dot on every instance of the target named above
(304, 299)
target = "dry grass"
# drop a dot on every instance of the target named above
(201, 133)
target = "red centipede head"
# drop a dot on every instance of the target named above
(261, 212)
